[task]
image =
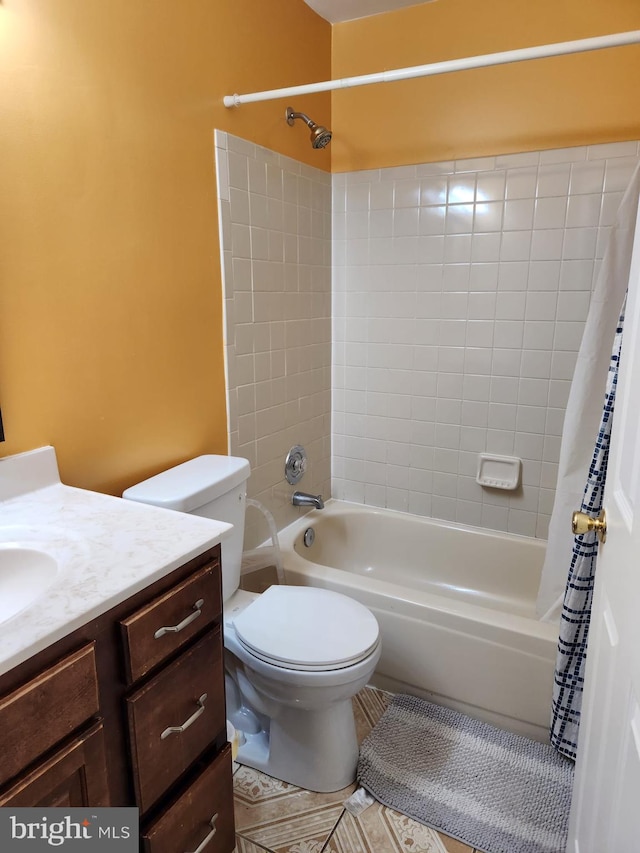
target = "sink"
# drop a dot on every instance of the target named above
(25, 574)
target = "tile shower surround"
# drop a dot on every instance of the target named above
(275, 224)
(460, 292)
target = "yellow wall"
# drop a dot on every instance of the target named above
(110, 290)
(555, 102)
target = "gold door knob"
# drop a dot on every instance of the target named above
(583, 523)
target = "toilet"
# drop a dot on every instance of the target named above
(294, 655)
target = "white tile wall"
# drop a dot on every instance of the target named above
(460, 294)
(275, 231)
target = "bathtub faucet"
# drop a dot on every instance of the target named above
(303, 499)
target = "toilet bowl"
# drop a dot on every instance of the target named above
(294, 656)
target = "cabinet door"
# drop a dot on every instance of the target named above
(75, 775)
(69, 693)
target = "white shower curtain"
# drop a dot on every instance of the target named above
(584, 408)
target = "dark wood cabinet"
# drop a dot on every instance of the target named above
(129, 710)
(46, 709)
(75, 775)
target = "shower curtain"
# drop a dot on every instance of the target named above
(584, 408)
(568, 682)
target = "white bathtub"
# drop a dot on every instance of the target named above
(455, 606)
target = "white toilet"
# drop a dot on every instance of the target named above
(294, 656)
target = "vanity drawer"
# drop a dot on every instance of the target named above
(175, 716)
(207, 804)
(46, 709)
(164, 625)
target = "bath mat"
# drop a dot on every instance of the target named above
(493, 790)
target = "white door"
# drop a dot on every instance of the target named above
(605, 813)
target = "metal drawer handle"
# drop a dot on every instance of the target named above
(179, 729)
(173, 629)
(204, 843)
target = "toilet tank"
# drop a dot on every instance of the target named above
(210, 486)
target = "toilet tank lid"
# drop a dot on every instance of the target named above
(193, 484)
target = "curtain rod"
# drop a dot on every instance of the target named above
(540, 52)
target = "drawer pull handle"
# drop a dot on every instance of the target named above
(204, 843)
(179, 729)
(173, 629)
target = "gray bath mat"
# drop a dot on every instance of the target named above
(493, 790)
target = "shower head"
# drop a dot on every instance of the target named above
(320, 136)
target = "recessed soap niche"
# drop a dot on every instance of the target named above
(499, 472)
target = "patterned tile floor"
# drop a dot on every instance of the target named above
(275, 817)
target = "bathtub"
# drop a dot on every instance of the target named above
(455, 605)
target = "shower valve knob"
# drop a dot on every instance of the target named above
(583, 523)
(295, 465)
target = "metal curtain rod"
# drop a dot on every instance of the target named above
(540, 52)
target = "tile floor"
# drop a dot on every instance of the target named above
(275, 817)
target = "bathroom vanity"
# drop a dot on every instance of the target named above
(112, 680)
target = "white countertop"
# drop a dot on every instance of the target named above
(106, 548)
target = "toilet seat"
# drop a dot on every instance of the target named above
(306, 628)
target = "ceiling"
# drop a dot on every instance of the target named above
(346, 10)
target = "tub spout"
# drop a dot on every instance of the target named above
(303, 499)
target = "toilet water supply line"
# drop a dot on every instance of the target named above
(503, 58)
(263, 556)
